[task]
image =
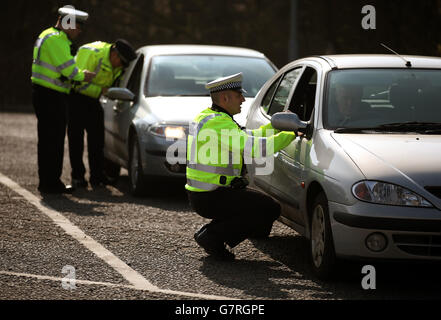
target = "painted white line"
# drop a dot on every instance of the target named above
(128, 273)
(85, 282)
(113, 285)
(133, 277)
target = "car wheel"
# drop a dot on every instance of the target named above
(322, 245)
(111, 170)
(136, 176)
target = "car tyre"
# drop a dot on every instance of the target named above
(138, 181)
(322, 250)
(111, 170)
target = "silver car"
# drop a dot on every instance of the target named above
(364, 181)
(147, 116)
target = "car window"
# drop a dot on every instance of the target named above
(187, 75)
(266, 101)
(135, 78)
(302, 102)
(371, 97)
(282, 92)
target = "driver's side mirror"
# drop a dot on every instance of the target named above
(287, 121)
(122, 94)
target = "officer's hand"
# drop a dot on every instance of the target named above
(88, 76)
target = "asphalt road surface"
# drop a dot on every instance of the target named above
(105, 244)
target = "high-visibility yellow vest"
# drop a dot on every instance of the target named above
(216, 148)
(53, 65)
(95, 57)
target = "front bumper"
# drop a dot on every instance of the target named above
(411, 233)
(162, 157)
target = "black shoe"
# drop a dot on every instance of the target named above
(100, 182)
(259, 235)
(212, 246)
(57, 190)
(200, 231)
(79, 183)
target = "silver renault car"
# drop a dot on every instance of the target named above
(364, 180)
(147, 114)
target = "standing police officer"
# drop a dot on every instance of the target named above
(85, 111)
(53, 69)
(215, 171)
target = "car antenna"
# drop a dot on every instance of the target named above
(408, 63)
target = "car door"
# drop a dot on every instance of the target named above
(289, 164)
(120, 114)
(274, 101)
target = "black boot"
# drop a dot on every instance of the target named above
(213, 246)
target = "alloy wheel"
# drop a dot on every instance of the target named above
(318, 235)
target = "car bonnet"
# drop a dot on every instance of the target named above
(403, 159)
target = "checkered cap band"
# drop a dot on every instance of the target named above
(227, 86)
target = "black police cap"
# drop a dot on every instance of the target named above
(125, 51)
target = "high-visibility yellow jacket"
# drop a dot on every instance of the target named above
(216, 148)
(95, 57)
(53, 65)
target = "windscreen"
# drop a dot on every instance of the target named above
(186, 75)
(373, 97)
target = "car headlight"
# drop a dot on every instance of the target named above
(388, 194)
(168, 131)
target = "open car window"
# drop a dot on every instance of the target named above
(303, 100)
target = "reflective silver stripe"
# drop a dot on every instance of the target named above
(50, 80)
(85, 87)
(45, 65)
(263, 147)
(38, 45)
(90, 48)
(202, 185)
(248, 151)
(195, 134)
(74, 73)
(249, 132)
(229, 171)
(40, 42)
(192, 129)
(52, 68)
(66, 65)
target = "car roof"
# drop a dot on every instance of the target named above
(348, 61)
(199, 49)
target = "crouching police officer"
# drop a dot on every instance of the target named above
(53, 69)
(217, 188)
(85, 111)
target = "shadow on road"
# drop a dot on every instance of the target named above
(290, 272)
(265, 279)
(166, 196)
(393, 279)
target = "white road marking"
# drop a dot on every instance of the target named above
(133, 277)
(114, 285)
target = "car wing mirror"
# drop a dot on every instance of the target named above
(122, 94)
(287, 121)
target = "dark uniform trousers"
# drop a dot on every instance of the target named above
(50, 107)
(86, 114)
(237, 214)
